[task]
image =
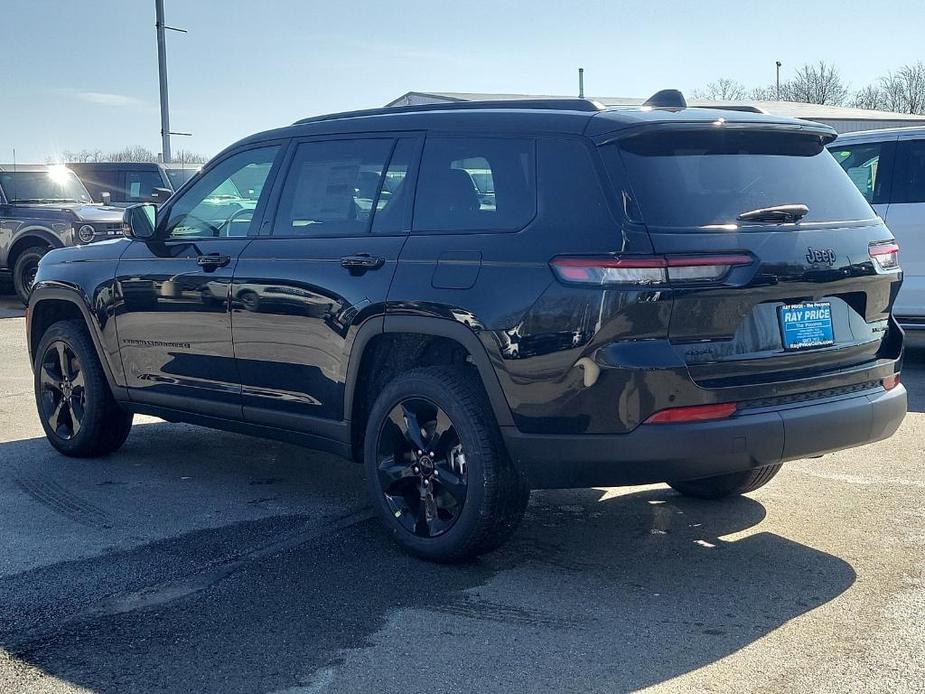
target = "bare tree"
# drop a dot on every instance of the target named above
(723, 89)
(184, 156)
(871, 97)
(816, 84)
(133, 153)
(904, 90)
(763, 93)
(83, 155)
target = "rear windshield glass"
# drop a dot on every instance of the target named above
(691, 178)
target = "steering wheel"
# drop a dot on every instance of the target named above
(237, 213)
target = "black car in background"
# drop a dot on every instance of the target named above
(481, 299)
(44, 207)
(128, 183)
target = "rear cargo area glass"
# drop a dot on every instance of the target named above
(691, 178)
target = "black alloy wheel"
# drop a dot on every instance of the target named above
(436, 467)
(422, 467)
(63, 390)
(76, 407)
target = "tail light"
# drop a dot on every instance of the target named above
(696, 413)
(891, 381)
(645, 270)
(886, 254)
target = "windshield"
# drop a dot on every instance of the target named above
(178, 177)
(693, 178)
(57, 184)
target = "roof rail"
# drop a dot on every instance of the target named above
(743, 108)
(588, 105)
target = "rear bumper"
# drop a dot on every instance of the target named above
(674, 452)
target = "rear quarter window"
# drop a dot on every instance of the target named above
(695, 178)
(475, 184)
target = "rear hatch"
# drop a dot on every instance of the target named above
(816, 272)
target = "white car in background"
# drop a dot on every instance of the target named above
(888, 167)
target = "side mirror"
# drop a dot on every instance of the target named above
(106, 198)
(138, 221)
(160, 195)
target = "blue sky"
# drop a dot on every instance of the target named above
(83, 73)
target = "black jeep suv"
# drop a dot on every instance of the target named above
(480, 299)
(45, 207)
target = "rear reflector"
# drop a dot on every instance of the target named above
(886, 254)
(890, 382)
(697, 413)
(645, 270)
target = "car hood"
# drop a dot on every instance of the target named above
(98, 213)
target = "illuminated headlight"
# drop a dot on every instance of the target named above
(86, 233)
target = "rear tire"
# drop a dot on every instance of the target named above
(727, 485)
(78, 413)
(24, 271)
(476, 496)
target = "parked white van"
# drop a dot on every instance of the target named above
(888, 167)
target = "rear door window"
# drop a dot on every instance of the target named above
(472, 184)
(695, 178)
(332, 187)
(862, 163)
(909, 174)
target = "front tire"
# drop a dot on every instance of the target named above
(732, 484)
(78, 413)
(27, 264)
(436, 468)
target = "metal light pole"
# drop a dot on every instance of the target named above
(162, 76)
(778, 63)
(581, 83)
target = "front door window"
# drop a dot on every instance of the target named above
(221, 204)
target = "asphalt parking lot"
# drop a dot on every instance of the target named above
(201, 561)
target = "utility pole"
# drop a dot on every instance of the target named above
(162, 76)
(581, 83)
(778, 63)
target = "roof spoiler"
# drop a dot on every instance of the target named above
(666, 98)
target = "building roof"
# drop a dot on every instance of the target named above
(790, 109)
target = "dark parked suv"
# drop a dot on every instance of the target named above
(128, 183)
(41, 208)
(625, 296)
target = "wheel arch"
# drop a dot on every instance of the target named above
(29, 238)
(49, 304)
(451, 334)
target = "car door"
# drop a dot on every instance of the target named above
(906, 219)
(321, 266)
(173, 314)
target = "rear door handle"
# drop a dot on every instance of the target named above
(362, 261)
(212, 261)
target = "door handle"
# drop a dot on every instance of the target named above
(212, 261)
(362, 261)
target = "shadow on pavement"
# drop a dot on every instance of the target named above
(913, 373)
(631, 590)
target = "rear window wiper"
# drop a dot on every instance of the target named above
(778, 213)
